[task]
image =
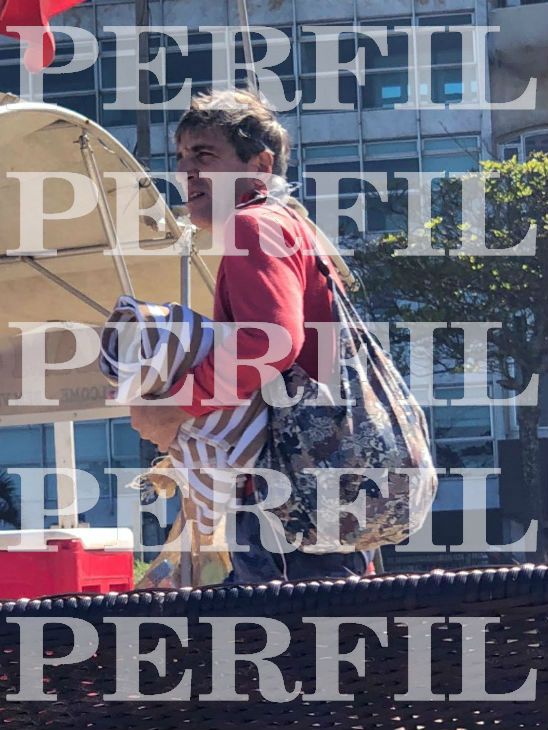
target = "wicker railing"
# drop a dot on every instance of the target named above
(516, 642)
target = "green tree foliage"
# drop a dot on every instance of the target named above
(503, 288)
(9, 511)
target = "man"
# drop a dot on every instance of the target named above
(276, 282)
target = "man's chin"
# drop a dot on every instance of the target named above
(199, 218)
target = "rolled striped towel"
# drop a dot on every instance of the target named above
(145, 349)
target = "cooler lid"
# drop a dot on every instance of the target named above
(92, 538)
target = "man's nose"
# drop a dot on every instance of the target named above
(184, 174)
(188, 166)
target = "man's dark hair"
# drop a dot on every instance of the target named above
(248, 124)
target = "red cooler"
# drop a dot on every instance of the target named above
(87, 560)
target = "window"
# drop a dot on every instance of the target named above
(85, 104)
(107, 75)
(461, 437)
(21, 446)
(386, 80)
(99, 445)
(309, 46)
(439, 154)
(521, 146)
(333, 158)
(442, 83)
(450, 154)
(514, 3)
(391, 158)
(75, 90)
(91, 448)
(387, 76)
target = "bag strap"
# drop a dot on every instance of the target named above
(320, 256)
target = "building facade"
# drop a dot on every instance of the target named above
(366, 136)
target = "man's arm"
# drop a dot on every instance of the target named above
(259, 287)
(267, 286)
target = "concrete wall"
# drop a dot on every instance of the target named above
(517, 54)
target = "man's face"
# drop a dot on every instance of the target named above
(209, 151)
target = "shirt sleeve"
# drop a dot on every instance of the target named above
(267, 285)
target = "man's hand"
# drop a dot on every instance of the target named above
(158, 424)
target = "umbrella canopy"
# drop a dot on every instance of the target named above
(73, 279)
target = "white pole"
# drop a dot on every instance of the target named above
(248, 48)
(63, 432)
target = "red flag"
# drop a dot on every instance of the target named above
(35, 13)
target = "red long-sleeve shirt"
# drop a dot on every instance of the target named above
(264, 286)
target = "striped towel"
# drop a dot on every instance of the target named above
(145, 349)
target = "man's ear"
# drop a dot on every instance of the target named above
(265, 161)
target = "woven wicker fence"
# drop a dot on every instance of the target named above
(516, 642)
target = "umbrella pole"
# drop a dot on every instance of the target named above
(67, 498)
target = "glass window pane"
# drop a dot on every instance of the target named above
(109, 44)
(196, 39)
(345, 185)
(446, 48)
(448, 393)
(85, 104)
(383, 90)
(378, 149)
(293, 171)
(9, 78)
(157, 97)
(197, 66)
(445, 20)
(510, 151)
(79, 81)
(308, 56)
(108, 71)
(90, 441)
(347, 89)
(389, 216)
(397, 52)
(536, 143)
(310, 47)
(346, 226)
(460, 422)
(450, 144)
(155, 42)
(446, 85)
(393, 165)
(332, 151)
(49, 445)
(285, 68)
(11, 51)
(21, 446)
(115, 117)
(476, 454)
(125, 440)
(464, 162)
(50, 488)
(289, 89)
(97, 470)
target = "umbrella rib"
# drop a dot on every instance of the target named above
(65, 285)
